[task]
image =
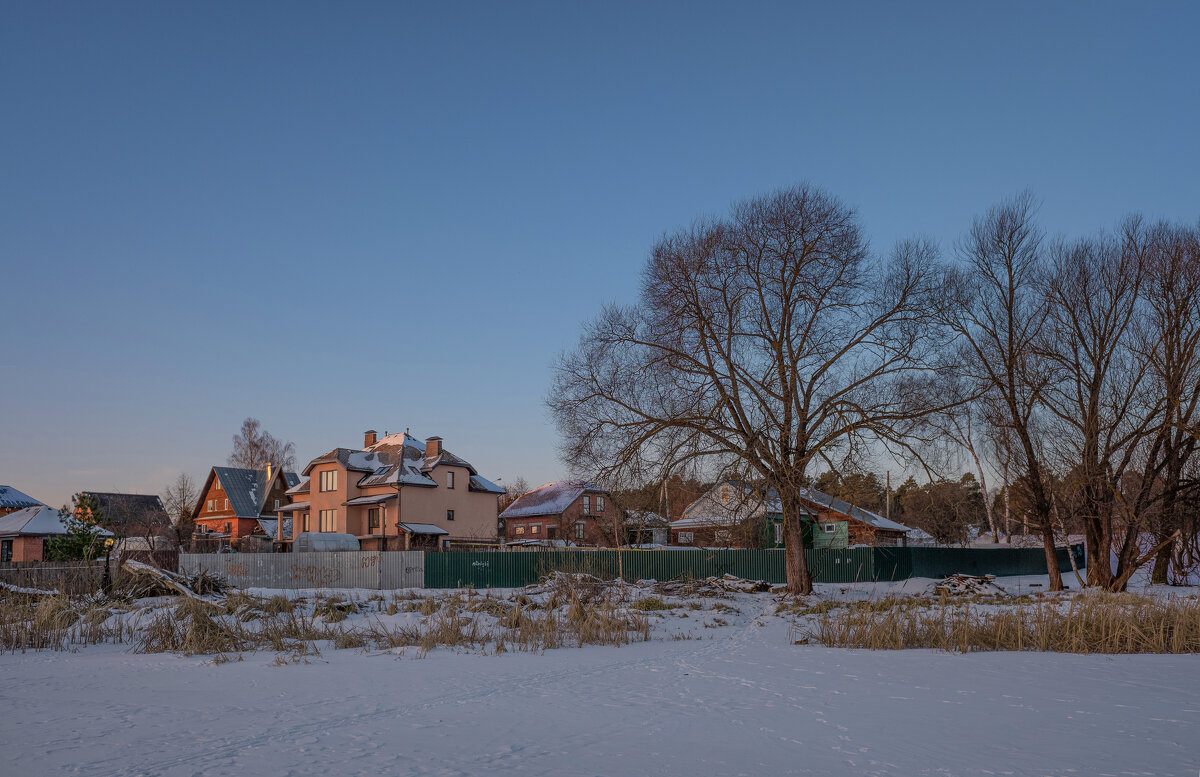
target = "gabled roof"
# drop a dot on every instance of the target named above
(38, 521)
(398, 459)
(123, 510)
(845, 508)
(12, 499)
(247, 489)
(549, 499)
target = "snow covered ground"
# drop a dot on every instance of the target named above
(722, 691)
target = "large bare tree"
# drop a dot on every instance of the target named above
(761, 343)
(999, 312)
(254, 447)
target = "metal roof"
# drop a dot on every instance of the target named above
(11, 498)
(369, 500)
(39, 521)
(422, 528)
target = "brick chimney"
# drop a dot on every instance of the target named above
(369, 438)
(433, 447)
(268, 470)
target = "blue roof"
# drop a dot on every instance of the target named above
(12, 499)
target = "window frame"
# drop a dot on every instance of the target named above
(580, 528)
(449, 515)
(372, 519)
(587, 504)
(327, 481)
(326, 518)
(450, 479)
(599, 503)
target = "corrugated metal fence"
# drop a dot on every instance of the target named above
(413, 569)
(350, 569)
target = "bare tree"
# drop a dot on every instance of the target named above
(761, 343)
(512, 492)
(999, 315)
(1102, 404)
(1169, 339)
(255, 447)
(180, 499)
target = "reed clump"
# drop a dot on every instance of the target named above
(1088, 623)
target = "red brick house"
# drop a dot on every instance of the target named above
(23, 533)
(236, 502)
(566, 511)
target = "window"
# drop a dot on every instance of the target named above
(304, 522)
(828, 528)
(722, 536)
(227, 504)
(779, 534)
(686, 538)
(6, 550)
(450, 479)
(209, 506)
(599, 504)
(579, 530)
(587, 504)
(373, 519)
(535, 528)
(724, 493)
(229, 529)
(328, 481)
(520, 530)
(325, 519)
(449, 515)
(276, 504)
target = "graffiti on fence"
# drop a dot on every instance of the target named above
(236, 569)
(316, 575)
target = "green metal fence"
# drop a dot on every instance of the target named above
(511, 570)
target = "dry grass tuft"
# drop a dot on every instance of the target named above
(1089, 623)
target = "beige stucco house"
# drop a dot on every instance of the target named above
(396, 493)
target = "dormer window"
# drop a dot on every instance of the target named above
(450, 479)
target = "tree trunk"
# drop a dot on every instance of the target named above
(799, 580)
(1056, 583)
(1162, 562)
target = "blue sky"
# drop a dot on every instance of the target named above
(342, 216)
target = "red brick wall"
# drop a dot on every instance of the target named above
(597, 526)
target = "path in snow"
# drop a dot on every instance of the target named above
(744, 702)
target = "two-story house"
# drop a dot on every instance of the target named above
(396, 493)
(566, 511)
(236, 502)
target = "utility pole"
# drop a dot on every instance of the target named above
(887, 502)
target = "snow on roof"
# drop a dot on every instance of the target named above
(866, 516)
(300, 488)
(705, 522)
(480, 483)
(11, 498)
(270, 527)
(422, 528)
(293, 507)
(369, 500)
(247, 488)
(548, 499)
(401, 439)
(37, 521)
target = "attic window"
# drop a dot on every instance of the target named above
(724, 493)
